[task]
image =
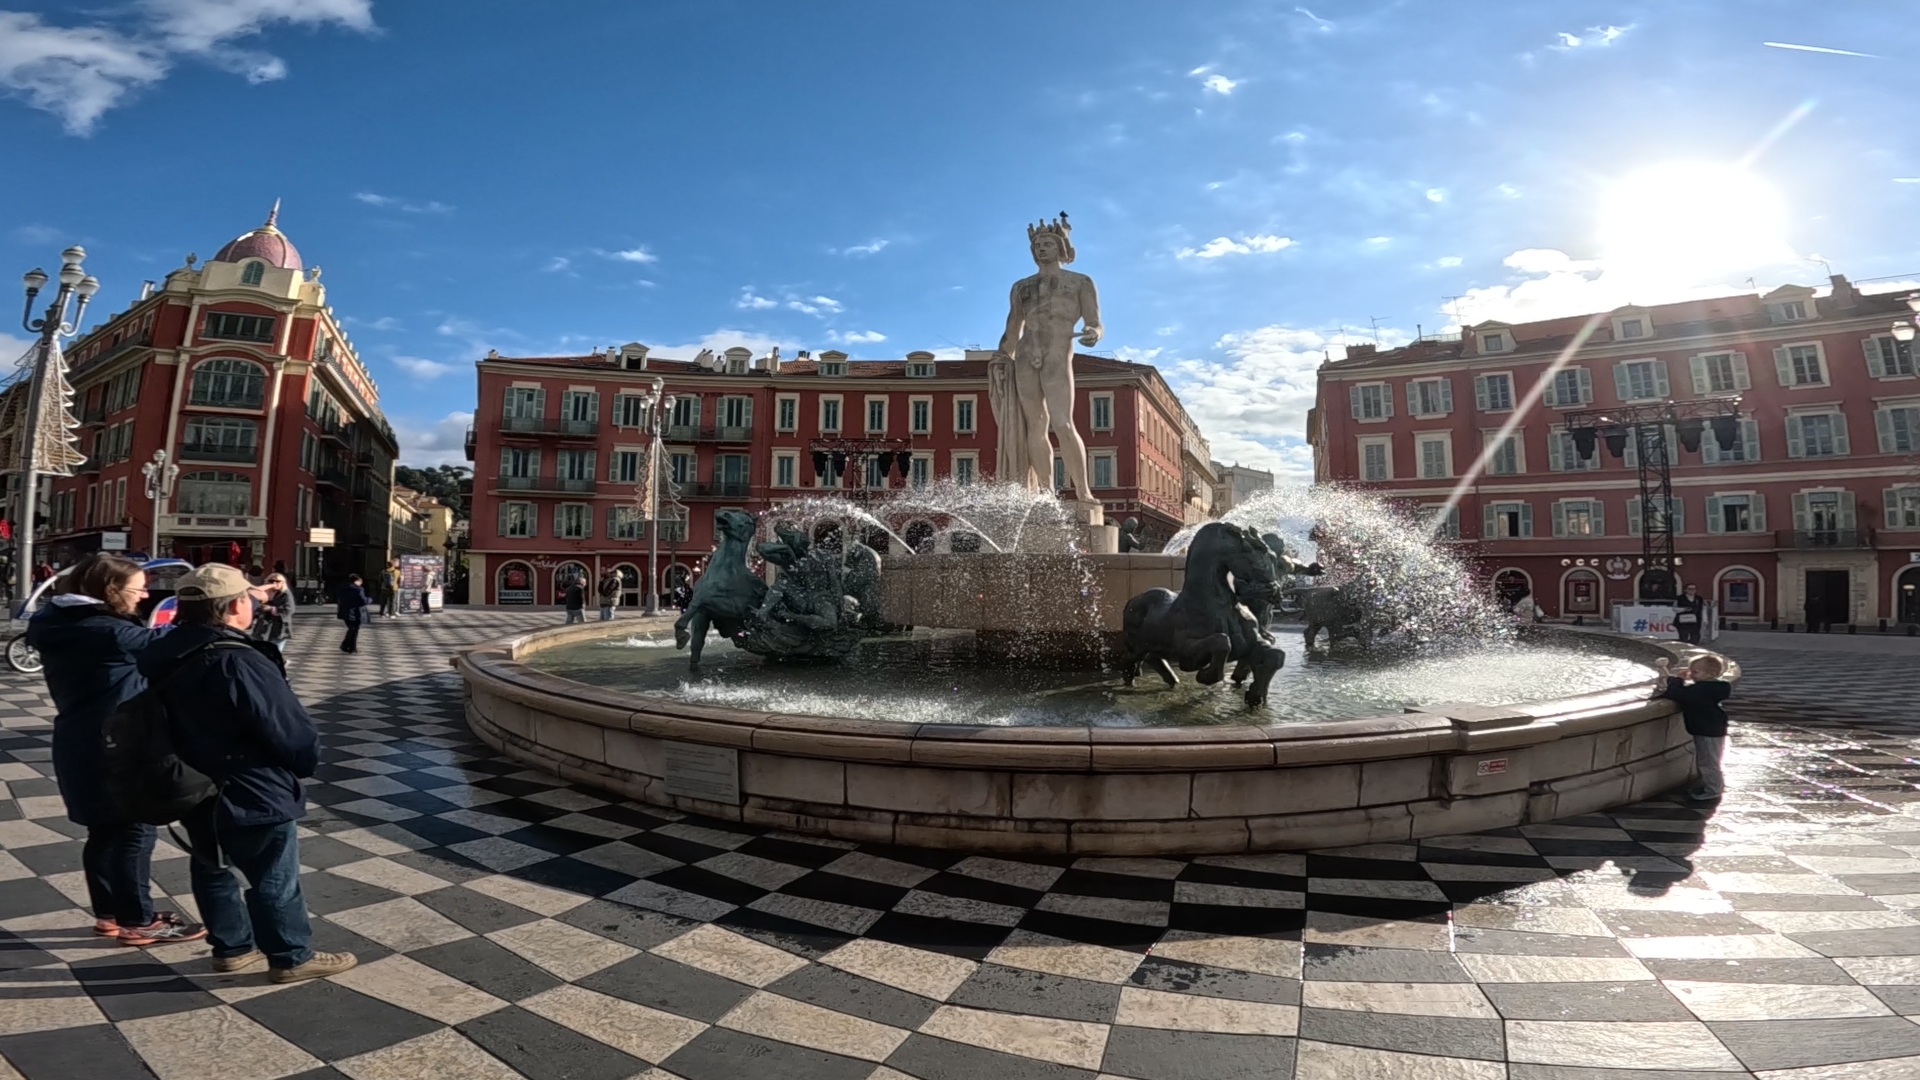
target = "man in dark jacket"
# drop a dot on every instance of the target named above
(235, 719)
(352, 610)
(1689, 615)
(576, 598)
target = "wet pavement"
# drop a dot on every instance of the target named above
(513, 926)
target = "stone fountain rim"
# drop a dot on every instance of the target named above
(1438, 728)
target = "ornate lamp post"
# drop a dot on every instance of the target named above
(74, 280)
(1903, 329)
(160, 474)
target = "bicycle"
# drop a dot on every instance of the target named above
(21, 656)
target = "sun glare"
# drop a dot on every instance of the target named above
(1691, 221)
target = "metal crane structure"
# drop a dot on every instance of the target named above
(1648, 426)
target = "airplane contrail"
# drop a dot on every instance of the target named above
(1818, 49)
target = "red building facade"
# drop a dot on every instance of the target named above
(238, 369)
(1813, 515)
(558, 451)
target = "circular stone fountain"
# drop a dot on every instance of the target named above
(994, 726)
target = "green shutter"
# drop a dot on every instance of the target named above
(1883, 425)
(1526, 519)
(1634, 519)
(1870, 348)
(1716, 521)
(1489, 530)
(1849, 510)
(1586, 386)
(1742, 379)
(1796, 446)
(1702, 384)
(1446, 396)
(1799, 512)
(1559, 519)
(1556, 451)
(1677, 514)
(1757, 513)
(1890, 501)
(1622, 384)
(1480, 392)
(1661, 385)
(1783, 367)
(1353, 399)
(1599, 517)
(1840, 445)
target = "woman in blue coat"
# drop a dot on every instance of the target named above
(87, 636)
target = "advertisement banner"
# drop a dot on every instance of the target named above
(421, 575)
(1654, 622)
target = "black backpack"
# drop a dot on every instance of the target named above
(145, 777)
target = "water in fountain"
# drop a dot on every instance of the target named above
(1414, 583)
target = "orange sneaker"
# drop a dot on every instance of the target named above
(167, 928)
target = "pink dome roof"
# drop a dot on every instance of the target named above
(266, 242)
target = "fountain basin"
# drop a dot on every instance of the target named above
(1216, 789)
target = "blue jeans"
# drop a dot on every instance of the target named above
(606, 612)
(118, 860)
(575, 615)
(272, 915)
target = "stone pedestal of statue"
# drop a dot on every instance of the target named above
(1096, 536)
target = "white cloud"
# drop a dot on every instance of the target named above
(1906, 179)
(1594, 37)
(385, 322)
(871, 247)
(1318, 23)
(1136, 356)
(390, 202)
(556, 264)
(750, 302)
(1246, 245)
(1435, 194)
(1219, 84)
(421, 369)
(1555, 285)
(432, 442)
(633, 255)
(1507, 191)
(856, 337)
(1252, 399)
(1447, 260)
(12, 349)
(79, 72)
(1379, 239)
(815, 305)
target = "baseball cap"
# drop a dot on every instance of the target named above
(214, 581)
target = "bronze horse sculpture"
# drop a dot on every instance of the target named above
(1204, 626)
(728, 594)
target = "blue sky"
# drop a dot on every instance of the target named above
(1252, 184)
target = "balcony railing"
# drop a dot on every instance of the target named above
(469, 444)
(1841, 539)
(542, 483)
(331, 476)
(718, 489)
(540, 425)
(239, 455)
(724, 433)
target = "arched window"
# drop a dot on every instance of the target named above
(219, 438)
(566, 574)
(253, 273)
(513, 584)
(233, 384)
(221, 494)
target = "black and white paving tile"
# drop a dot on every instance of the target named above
(512, 926)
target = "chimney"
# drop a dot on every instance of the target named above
(1356, 351)
(1845, 296)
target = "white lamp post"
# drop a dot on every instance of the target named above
(74, 280)
(160, 474)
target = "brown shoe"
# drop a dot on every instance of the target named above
(320, 966)
(233, 965)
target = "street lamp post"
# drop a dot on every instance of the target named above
(74, 280)
(160, 474)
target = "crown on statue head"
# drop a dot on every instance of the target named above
(1058, 227)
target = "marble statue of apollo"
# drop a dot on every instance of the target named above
(1030, 380)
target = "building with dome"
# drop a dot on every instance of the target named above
(239, 371)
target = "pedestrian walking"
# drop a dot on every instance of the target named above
(273, 619)
(235, 719)
(390, 590)
(88, 636)
(351, 605)
(428, 582)
(576, 600)
(1689, 615)
(609, 594)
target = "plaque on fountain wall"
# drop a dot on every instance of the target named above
(703, 772)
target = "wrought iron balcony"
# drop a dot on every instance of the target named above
(718, 489)
(239, 455)
(469, 444)
(330, 476)
(1841, 539)
(541, 425)
(542, 483)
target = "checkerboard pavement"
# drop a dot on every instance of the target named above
(510, 925)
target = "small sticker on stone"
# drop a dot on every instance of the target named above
(1492, 766)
